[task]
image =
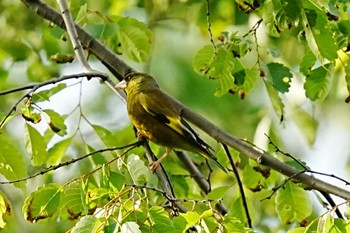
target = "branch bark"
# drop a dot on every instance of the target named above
(119, 68)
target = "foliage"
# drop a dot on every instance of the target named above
(51, 137)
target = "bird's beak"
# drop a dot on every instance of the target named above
(121, 85)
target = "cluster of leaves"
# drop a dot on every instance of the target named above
(322, 28)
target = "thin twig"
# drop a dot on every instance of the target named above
(240, 185)
(39, 85)
(55, 167)
(209, 27)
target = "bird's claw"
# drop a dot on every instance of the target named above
(154, 165)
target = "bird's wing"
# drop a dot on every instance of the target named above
(161, 107)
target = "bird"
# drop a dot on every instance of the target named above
(157, 118)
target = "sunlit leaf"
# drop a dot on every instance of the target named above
(88, 223)
(318, 32)
(46, 94)
(317, 84)
(276, 101)
(292, 203)
(42, 204)
(280, 76)
(134, 37)
(74, 200)
(138, 171)
(5, 209)
(56, 122)
(57, 151)
(36, 146)
(12, 164)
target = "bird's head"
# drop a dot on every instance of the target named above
(137, 82)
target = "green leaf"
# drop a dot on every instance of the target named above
(307, 63)
(89, 224)
(36, 146)
(12, 164)
(105, 135)
(134, 37)
(5, 209)
(318, 31)
(138, 171)
(317, 84)
(161, 220)
(57, 151)
(292, 203)
(46, 94)
(287, 13)
(216, 66)
(192, 218)
(251, 178)
(218, 192)
(74, 200)
(43, 203)
(233, 225)
(276, 101)
(203, 59)
(56, 122)
(280, 76)
(327, 223)
(222, 68)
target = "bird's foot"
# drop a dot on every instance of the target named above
(154, 165)
(140, 137)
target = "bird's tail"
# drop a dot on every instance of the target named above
(209, 156)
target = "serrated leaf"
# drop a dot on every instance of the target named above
(280, 76)
(74, 200)
(319, 35)
(276, 101)
(138, 171)
(12, 164)
(57, 151)
(56, 122)
(162, 222)
(203, 59)
(135, 38)
(218, 192)
(46, 94)
(292, 203)
(216, 66)
(317, 84)
(89, 224)
(36, 146)
(43, 203)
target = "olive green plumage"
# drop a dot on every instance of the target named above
(157, 118)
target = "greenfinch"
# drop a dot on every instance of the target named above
(157, 118)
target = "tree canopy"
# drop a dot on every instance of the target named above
(266, 83)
